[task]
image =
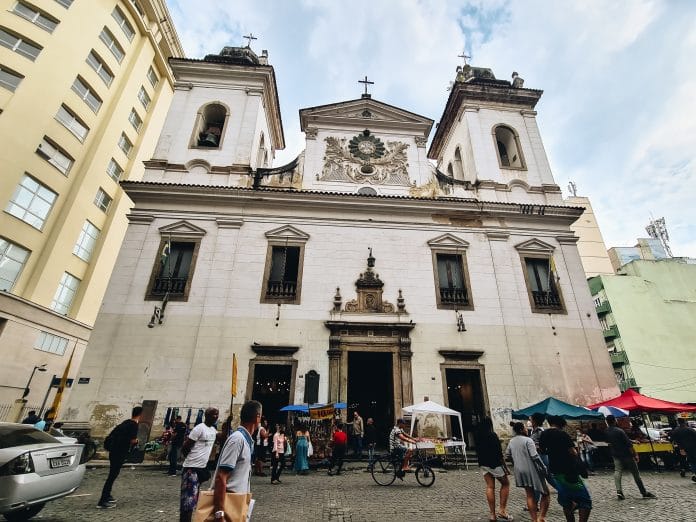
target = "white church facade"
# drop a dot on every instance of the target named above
(359, 273)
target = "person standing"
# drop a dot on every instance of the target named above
(624, 456)
(278, 454)
(685, 438)
(564, 470)
(233, 473)
(339, 441)
(358, 432)
(302, 442)
(260, 448)
(194, 472)
(121, 441)
(177, 442)
(370, 440)
(490, 459)
(529, 471)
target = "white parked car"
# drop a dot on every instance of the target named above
(35, 468)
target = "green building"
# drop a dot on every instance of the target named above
(648, 314)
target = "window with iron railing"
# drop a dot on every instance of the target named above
(173, 269)
(451, 281)
(543, 285)
(282, 278)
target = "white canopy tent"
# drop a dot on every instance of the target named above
(431, 407)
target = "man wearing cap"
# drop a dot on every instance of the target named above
(397, 445)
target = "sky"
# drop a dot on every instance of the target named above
(618, 114)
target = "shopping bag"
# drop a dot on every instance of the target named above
(236, 507)
(310, 449)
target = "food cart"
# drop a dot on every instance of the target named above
(442, 446)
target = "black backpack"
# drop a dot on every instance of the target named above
(113, 439)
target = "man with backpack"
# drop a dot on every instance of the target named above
(119, 444)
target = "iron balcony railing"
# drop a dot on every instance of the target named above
(618, 357)
(603, 308)
(281, 290)
(547, 299)
(611, 333)
(173, 285)
(454, 296)
(625, 384)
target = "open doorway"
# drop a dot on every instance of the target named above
(272, 389)
(466, 395)
(371, 390)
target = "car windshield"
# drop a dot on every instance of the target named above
(13, 436)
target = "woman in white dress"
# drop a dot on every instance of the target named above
(529, 471)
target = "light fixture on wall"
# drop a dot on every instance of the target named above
(461, 327)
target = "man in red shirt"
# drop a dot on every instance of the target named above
(339, 442)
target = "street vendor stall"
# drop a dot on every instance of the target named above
(419, 411)
(553, 406)
(638, 404)
(318, 418)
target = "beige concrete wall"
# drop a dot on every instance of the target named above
(593, 250)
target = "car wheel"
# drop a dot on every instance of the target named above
(24, 514)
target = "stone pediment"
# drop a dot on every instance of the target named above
(448, 242)
(287, 233)
(182, 229)
(535, 246)
(365, 113)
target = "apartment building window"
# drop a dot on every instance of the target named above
(9, 79)
(86, 241)
(137, 8)
(152, 76)
(110, 41)
(96, 63)
(71, 122)
(67, 288)
(31, 202)
(135, 120)
(35, 16)
(125, 144)
(47, 342)
(65, 3)
(85, 92)
(143, 97)
(19, 44)
(56, 156)
(123, 23)
(114, 170)
(12, 259)
(102, 200)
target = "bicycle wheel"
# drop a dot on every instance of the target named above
(425, 475)
(383, 472)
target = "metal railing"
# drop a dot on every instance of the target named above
(611, 332)
(456, 296)
(173, 285)
(281, 289)
(547, 299)
(618, 357)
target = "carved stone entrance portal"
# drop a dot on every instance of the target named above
(371, 325)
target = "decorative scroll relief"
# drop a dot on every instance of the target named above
(389, 168)
(432, 189)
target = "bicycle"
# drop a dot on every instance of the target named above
(387, 468)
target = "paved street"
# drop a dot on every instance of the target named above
(146, 494)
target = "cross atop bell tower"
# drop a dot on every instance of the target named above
(366, 82)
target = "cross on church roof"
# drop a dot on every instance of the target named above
(250, 37)
(465, 57)
(366, 82)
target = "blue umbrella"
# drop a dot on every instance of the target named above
(612, 410)
(551, 406)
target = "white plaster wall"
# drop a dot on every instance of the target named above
(186, 361)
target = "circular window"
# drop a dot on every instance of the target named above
(367, 191)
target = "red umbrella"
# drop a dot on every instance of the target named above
(634, 402)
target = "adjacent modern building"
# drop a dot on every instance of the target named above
(359, 272)
(84, 89)
(593, 250)
(648, 314)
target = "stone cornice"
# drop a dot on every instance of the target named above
(141, 191)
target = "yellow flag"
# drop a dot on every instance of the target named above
(234, 375)
(53, 412)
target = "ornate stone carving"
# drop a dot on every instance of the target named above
(421, 141)
(369, 298)
(388, 168)
(311, 133)
(432, 189)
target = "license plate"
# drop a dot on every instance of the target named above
(59, 463)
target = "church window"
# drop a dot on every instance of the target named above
(542, 283)
(450, 170)
(458, 166)
(173, 269)
(210, 126)
(451, 281)
(282, 279)
(262, 155)
(508, 147)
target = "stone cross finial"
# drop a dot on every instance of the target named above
(465, 57)
(250, 37)
(366, 82)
